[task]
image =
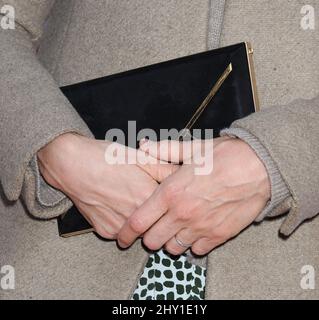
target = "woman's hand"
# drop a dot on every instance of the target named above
(106, 194)
(201, 211)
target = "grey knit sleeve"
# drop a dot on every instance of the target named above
(279, 189)
(33, 112)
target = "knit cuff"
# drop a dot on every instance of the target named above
(42, 200)
(279, 189)
(46, 195)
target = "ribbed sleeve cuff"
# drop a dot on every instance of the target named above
(279, 189)
(42, 200)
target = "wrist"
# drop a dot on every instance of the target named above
(52, 157)
(253, 172)
(279, 190)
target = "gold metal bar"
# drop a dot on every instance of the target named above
(204, 104)
(250, 52)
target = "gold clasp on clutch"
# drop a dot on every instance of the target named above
(186, 131)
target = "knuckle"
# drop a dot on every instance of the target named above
(150, 243)
(104, 233)
(220, 233)
(136, 225)
(199, 251)
(123, 242)
(173, 250)
(183, 214)
(171, 190)
(190, 209)
(143, 196)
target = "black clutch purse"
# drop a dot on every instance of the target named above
(208, 90)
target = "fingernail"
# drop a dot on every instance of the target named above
(144, 142)
(121, 245)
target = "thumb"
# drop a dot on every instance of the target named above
(168, 150)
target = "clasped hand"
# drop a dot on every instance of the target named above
(166, 203)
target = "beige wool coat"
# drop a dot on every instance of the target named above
(61, 42)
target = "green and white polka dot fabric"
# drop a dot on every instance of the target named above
(170, 278)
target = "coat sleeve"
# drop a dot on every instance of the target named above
(33, 111)
(289, 135)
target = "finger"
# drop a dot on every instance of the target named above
(112, 221)
(232, 225)
(108, 224)
(161, 232)
(220, 235)
(159, 172)
(105, 222)
(103, 231)
(164, 230)
(167, 150)
(143, 218)
(181, 242)
(198, 230)
(204, 246)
